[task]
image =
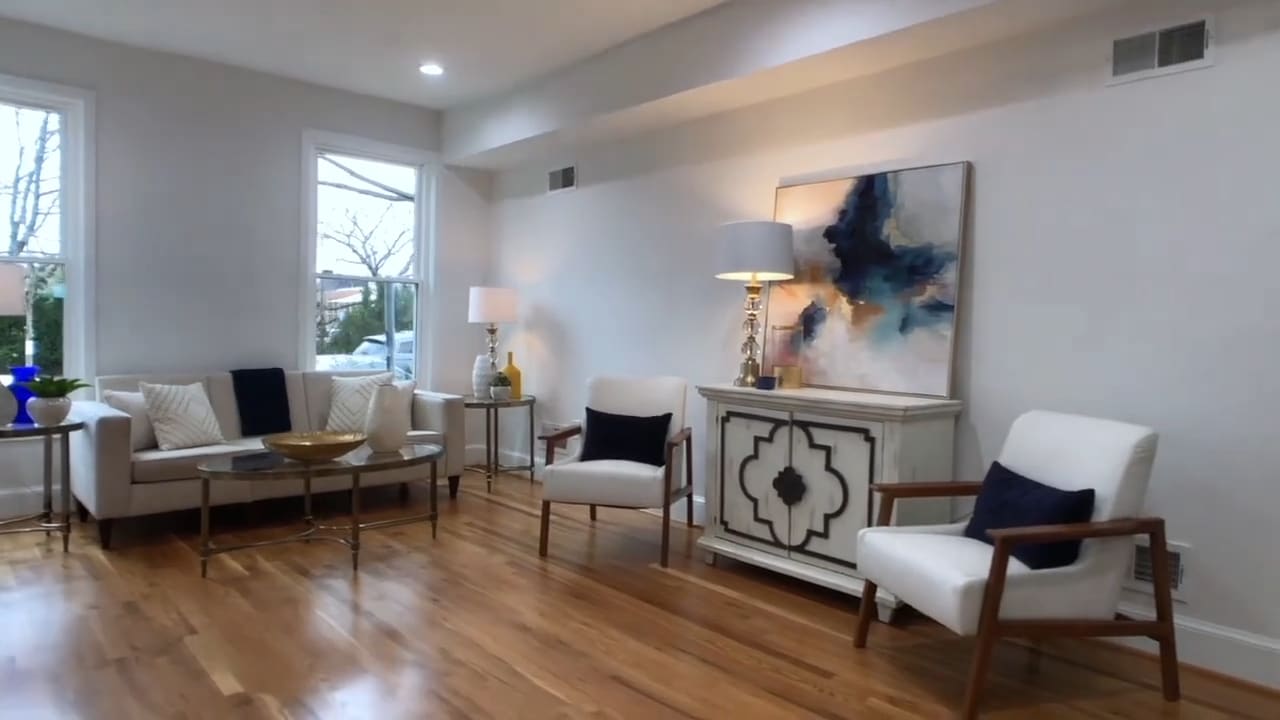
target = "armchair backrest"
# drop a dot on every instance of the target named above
(641, 396)
(1074, 452)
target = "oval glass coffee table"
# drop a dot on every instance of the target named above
(270, 467)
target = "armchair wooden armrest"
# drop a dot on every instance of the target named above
(558, 439)
(892, 491)
(920, 490)
(679, 438)
(1076, 531)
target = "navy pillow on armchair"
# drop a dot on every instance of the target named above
(1009, 500)
(609, 436)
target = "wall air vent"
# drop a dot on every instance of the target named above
(1142, 576)
(1188, 46)
(563, 179)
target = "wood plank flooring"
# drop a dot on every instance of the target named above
(476, 625)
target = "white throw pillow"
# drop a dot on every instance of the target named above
(142, 436)
(181, 415)
(349, 401)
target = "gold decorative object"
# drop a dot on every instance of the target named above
(309, 447)
(789, 376)
(513, 374)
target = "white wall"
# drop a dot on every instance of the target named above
(1121, 263)
(198, 223)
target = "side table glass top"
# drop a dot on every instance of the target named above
(475, 401)
(267, 465)
(12, 430)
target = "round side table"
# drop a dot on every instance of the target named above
(44, 520)
(492, 466)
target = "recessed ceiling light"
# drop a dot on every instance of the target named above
(430, 69)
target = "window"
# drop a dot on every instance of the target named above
(42, 241)
(366, 241)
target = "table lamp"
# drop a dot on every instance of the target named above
(490, 305)
(754, 252)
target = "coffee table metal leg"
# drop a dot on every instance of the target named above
(435, 513)
(355, 522)
(204, 525)
(306, 502)
(66, 491)
(531, 441)
(48, 482)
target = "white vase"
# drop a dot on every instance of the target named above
(48, 411)
(500, 392)
(389, 419)
(481, 375)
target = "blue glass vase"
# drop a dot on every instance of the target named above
(22, 374)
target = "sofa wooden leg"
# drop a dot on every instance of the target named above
(593, 513)
(666, 532)
(104, 532)
(82, 512)
(454, 480)
(404, 493)
(866, 611)
(546, 528)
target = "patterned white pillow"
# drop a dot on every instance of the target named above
(181, 415)
(349, 401)
(142, 436)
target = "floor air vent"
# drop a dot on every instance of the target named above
(1142, 575)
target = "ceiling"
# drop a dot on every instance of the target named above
(372, 46)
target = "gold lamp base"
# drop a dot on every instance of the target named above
(749, 369)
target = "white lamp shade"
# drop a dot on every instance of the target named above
(491, 305)
(13, 290)
(755, 250)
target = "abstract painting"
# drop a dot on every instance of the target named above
(873, 303)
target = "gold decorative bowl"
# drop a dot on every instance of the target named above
(312, 447)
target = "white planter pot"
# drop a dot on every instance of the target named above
(481, 375)
(389, 419)
(49, 411)
(500, 392)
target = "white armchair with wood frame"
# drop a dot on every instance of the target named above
(624, 483)
(979, 589)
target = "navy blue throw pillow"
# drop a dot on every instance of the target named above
(625, 437)
(1009, 500)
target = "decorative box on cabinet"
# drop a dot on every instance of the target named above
(788, 481)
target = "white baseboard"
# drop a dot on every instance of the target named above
(1238, 653)
(24, 500)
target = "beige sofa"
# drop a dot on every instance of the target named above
(111, 480)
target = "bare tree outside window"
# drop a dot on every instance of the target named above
(366, 286)
(32, 282)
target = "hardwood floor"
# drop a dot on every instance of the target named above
(476, 625)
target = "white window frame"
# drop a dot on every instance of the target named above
(427, 164)
(76, 214)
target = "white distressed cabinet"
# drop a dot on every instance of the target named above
(789, 476)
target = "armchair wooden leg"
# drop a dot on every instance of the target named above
(666, 532)
(987, 624)
(866, 612)
(688, 479)
(593, 513)
(546, 528)
(688, 510)
(1164, 615)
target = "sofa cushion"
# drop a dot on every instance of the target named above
(181, 415)
(142, 436)
(151, 466)
(349, 401)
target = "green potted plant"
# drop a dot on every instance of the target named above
(49, 404)
(500, 387)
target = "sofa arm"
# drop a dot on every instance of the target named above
(101, 459)
(445, 414)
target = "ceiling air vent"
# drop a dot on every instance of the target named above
(563, 179)
(1161, 52)
(1142, 576)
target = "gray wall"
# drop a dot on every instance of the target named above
(198, 195)
(1121, 263)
